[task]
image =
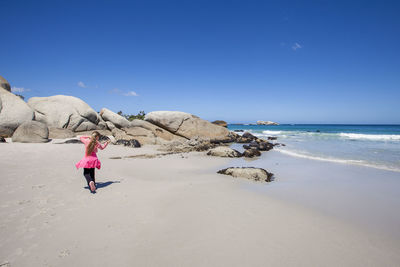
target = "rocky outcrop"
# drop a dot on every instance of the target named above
(221, 123)
(267, 123)
(246, 137)
(13, 112)
(146, 133)
(194, 144)
(259, 145)
(31, 132)
(117, 120)
(4, 84)
(251, 153)
(68, 112)
(131, 143)
(101, 132)
(60, 133)
(189, 126)
(256, 174)
(110, 125)
(223, 151)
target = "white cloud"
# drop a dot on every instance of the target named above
(19, 89)
(296, 46)
(131, 93)
(81, 84)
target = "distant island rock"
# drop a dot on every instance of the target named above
(267, 123)
(221, 123)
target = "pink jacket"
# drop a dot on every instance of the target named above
(86, 140)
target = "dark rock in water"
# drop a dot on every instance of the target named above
(261, 145)
(2, 140)
(131, 143)
(256, 174)
(104, 138)
(73, 141)
(265, 146)
(251, 153)
(242, 140)
(318, 131)
(238, 131)
(249, 136)
(272, 138)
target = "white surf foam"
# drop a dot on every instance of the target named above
(382, 137)
(336, 160)
(272, 132)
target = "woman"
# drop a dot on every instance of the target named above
(90, 160)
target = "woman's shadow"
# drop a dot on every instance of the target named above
(103, 184)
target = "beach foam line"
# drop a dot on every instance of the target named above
(271, 132)
(384, 137)
(336, 160)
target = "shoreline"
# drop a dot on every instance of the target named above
(176, 210)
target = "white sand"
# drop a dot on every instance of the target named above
(175, 211)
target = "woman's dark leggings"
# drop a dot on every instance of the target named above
(89, 175)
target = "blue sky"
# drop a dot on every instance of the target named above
(240, 61)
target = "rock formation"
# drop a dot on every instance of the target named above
(221, 123)
(267, 123)
(256, 174)
(189, 126)
(4, 84)
(223, 151)
(31, 132)
(116, 119)
(68, 112)
(13, 110)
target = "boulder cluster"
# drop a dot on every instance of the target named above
(60, 116)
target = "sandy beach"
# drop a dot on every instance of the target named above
(176, 210)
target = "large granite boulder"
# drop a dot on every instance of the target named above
(117, 120)
(31, 132)
(256, 174)
(146, 133)
(188, 125)
(13, 112)
(224, 151)
(60, 133)
(4, 84)
(63, 111)
(157, 131)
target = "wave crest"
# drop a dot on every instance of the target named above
(384, 137)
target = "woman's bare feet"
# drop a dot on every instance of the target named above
(92, 186)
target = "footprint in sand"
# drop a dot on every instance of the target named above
(64, 253)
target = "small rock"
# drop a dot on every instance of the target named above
(251, 153)
(2, 140)
(223, 151)
(73, 141)
(256, 174)
(131, 142)
(272, 138)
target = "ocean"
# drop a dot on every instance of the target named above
(376, 146)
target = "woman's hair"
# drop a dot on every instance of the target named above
(92, 143)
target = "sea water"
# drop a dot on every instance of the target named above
(375, 146)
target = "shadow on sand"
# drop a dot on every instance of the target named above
(103, 184)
